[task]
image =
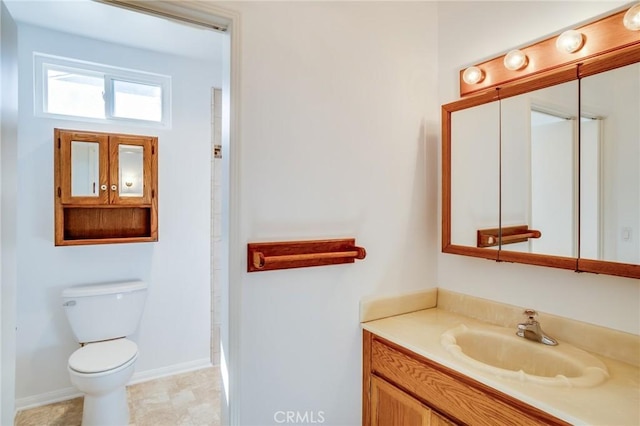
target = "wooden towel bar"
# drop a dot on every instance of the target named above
(300, 254)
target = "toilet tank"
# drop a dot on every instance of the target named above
(104, 311)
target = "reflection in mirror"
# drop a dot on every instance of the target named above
(475, 172)
(85, 169)
(539, 170)
(590, 191)
(610, 152)
(130, 170)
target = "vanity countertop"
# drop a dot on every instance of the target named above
(614, 402)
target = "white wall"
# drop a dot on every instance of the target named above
(338, 119)
(175, 328)
(465, 38)
(8, 211)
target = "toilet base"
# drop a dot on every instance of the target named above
(105, 395)
(110, 409)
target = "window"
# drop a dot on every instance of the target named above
(66, 88)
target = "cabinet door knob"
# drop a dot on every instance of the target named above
(103, 187)
(114, 187)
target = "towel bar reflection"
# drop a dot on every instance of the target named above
(509, 235)
(494, 240)
(298, 254)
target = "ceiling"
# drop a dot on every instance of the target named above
(112, 24)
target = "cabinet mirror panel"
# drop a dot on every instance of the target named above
(131, 170)
(539, 143)
(610, 165)
(85, 169)
(475, 172)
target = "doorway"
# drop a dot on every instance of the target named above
(164, 264)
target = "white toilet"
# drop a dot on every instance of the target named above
(101, 316)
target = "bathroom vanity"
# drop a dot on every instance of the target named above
(410, 377)
(437, 389)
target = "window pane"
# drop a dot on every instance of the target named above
(136, 100)
(76, 94)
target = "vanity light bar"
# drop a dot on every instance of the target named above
(617, 30)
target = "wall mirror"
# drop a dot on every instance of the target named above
(610, 160)
(541, 164)
(539, 142)
(475, 152)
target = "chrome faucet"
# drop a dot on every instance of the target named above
(530, 329)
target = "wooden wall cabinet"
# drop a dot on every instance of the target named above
(106, 188)
(404, 388)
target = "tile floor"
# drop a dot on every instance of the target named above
(189, 399)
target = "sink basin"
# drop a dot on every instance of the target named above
(499, 351)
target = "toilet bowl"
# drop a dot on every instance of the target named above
(101, 371)
(101, 316)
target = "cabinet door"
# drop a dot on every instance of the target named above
(83, 167)
(391, 406)
(130, 169)
(438, 420)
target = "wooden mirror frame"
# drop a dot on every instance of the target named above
(611, 46)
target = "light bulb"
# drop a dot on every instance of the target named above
(570, 41)
(515, 60)
(631, 19)
(473, 75)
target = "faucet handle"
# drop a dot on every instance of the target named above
(531, 315)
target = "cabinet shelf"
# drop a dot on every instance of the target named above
(105, 223)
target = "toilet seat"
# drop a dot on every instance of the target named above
(103, 356)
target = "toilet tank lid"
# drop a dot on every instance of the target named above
(103, 288)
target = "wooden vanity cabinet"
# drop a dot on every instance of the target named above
(404, 388)
(391, 406)
(105, 188)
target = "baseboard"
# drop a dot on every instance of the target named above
(46, 398)
(143, 376)
(171, 370)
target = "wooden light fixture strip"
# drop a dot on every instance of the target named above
(600, 37)
(300, 254)
(510, 235)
